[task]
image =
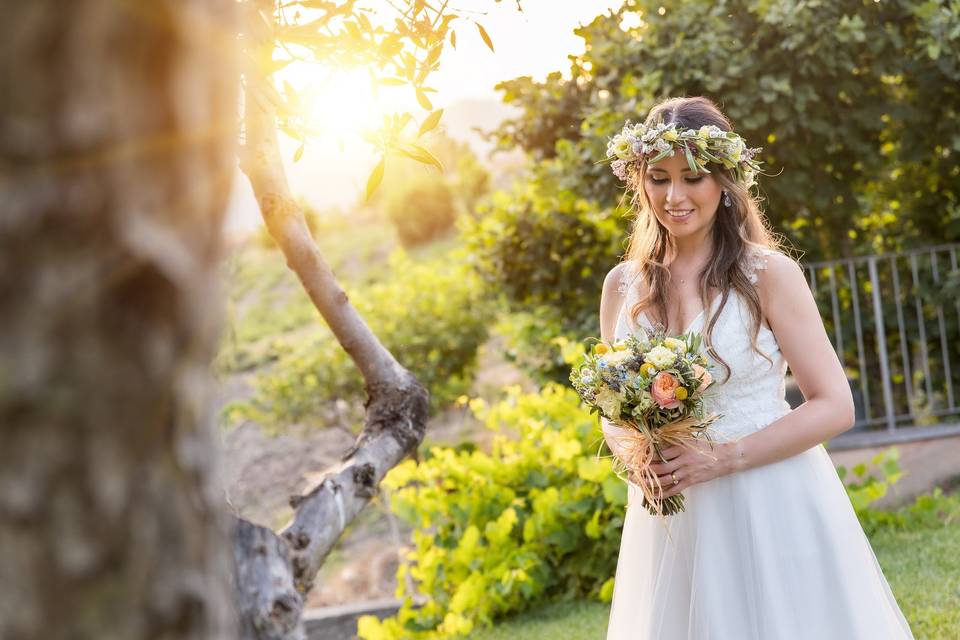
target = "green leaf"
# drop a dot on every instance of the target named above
(593, 470)
(606, 591)
(431, 122)
(485, 36)
(593, 528)
(690, 161)
(420, 154)
(615, 491)
(376, 177)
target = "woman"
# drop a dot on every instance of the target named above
(768, 547)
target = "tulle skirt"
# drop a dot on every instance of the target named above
(770, 553)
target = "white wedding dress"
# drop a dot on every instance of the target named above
(771, 553)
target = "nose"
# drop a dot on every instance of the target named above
(675, 193)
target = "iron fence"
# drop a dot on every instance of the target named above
(894, 322)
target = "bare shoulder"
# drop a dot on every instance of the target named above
(774, 272)
(615, 278)
(781, 285)
(614, 291)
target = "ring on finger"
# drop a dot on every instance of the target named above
(673, 474)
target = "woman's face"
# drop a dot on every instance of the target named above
(684, 202)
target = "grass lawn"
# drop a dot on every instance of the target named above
(923, 568)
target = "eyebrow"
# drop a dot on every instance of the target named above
(687, 169)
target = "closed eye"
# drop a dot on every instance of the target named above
(662, 180)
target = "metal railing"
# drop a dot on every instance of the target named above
(894, 322)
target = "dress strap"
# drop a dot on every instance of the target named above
(627, 276)
(756, 259)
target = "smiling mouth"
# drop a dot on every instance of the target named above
(680, 213)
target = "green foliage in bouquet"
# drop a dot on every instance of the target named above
(537, 518)
(431, 317)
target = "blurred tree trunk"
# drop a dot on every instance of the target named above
(396, 405)
(117, 130)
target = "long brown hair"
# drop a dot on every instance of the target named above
(736, 229)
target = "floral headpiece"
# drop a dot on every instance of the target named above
(709, 143)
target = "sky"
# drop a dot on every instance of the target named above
(333, 170)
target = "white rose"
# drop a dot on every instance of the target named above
(660, 357)
(614, 358)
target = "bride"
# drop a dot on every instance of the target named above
(769, 547)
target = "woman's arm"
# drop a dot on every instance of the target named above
(828, 411)
(610, 303)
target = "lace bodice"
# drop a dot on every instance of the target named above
(753, 396)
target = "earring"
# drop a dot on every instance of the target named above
(726, 199)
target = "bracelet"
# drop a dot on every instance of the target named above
(738, 460)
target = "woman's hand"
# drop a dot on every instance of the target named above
(701, 462)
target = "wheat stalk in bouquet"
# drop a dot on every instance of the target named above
(654, 386)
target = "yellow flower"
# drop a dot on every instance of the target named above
(675, 345)
(609, 403)
(621, 148)
(600, 348)
(620, 345)
(680, 393)
(647, 369)
(669, 135)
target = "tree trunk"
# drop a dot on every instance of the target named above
(396, 408)
(118, 145)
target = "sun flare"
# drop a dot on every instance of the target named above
(339, 101)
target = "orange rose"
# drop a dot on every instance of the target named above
(663, 388)
(703, 375)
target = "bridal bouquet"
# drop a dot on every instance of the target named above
(654, 386)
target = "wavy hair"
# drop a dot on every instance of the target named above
(736, 229)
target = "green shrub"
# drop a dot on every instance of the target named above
(431, 316)
(926, 511)
(542, 245)
(424, 210)
(865, 488)
(533, 343)
(538, 517)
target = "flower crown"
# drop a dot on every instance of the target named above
(709, 143)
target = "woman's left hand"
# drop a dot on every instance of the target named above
(700, 462)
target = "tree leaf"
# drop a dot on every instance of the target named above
(453, 39)
(485, 36)
(423, 100)
(431, 122)
(420, 154)
(376, 177)
(434, 55)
